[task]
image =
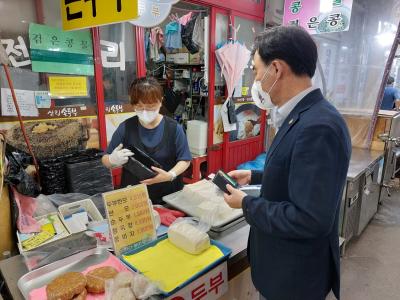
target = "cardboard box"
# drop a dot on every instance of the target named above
(170, 57)
(194, 59)
(181, 58)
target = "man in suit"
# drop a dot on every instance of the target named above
(293, 245)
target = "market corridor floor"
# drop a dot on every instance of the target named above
(371, 265)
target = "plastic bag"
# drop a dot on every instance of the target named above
(58, 250)
(143, 288)
(26, 209)
(44, 206)
(16, 175)
(61, 199)
(187, 35)
(52, 174)
(190, 235)
(130, 286)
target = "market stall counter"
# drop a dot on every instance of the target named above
(361, 193)
(14, 268)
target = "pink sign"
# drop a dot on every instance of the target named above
(318, 16)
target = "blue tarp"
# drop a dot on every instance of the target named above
(257, 164)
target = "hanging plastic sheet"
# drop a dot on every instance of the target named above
(16, 175)
(187, 35)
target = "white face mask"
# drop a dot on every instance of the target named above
(147, 116)
(261, 98)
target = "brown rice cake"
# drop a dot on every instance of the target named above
(81, 296)
(66, 286)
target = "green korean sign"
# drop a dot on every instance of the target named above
(56, 51)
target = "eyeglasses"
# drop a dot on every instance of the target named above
(144, 109)
(141, 108)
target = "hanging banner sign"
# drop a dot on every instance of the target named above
(79, 14)
(56, 51)
(318, 16)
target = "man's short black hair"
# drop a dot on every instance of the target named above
(291, 44)
(390, 80)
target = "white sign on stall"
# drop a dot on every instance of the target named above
(26, 103)
(153, 12)
(42, 99)
(210, 286)
(111, 50)
(17, 52)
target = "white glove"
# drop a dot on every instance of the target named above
(119, 156)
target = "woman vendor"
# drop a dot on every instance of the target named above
(160, 137)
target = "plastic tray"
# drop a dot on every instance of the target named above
(86, 204)
(55, 238)
(75, 263)
(226, 252)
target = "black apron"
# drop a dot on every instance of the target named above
(164, 153)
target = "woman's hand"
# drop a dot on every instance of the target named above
(162, 176)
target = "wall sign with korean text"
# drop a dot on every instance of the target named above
(16, 51)
(56, 51)
(68, 86)
(318, 16)
(78, 14)
(130, 217)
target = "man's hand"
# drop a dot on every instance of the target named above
(242, 177)
(235, 199)
(162, 176)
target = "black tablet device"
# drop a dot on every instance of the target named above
(221, 179)
(144, 158)
(140, 164)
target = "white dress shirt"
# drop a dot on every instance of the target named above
(279, 114)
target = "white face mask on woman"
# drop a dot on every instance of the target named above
(147, 116)
(261, 98)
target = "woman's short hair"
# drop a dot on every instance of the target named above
(146, 90)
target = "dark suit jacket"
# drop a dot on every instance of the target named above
(293, 244)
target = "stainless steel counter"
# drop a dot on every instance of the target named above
(13, 268)
(361, 159)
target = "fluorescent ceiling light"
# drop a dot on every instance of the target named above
(385, 39)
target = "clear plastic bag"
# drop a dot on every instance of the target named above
(130, 286)
(58, 250)
(190, 235)
(50, 203)
(143, 288)
(205, 201)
